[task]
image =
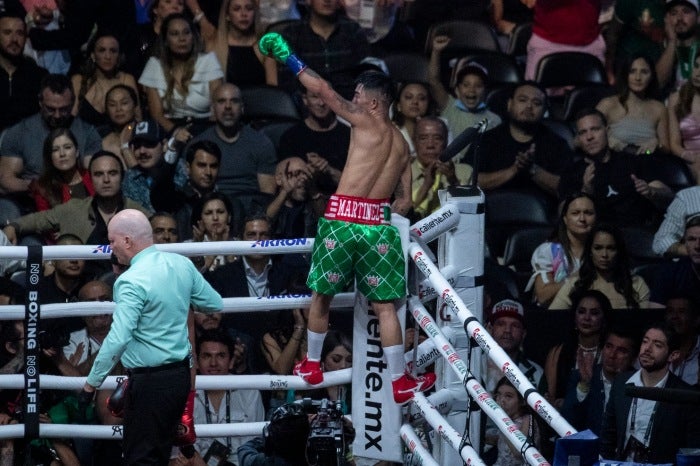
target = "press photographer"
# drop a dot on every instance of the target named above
(305, 433)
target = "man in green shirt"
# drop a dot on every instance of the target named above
(149, 334)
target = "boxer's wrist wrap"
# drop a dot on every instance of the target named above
(295, 64)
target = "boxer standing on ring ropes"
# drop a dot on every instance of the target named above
(355, 237)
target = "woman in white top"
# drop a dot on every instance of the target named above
(605, 267)
(180, 81)
(560, 257)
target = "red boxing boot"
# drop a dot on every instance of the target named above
(185, 428)
(406, 386)
(310, 371)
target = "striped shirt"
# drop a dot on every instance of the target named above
(685, 204)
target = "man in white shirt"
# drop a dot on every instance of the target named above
(215, 357)
(647, 431)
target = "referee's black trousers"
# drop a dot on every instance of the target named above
(154, 405)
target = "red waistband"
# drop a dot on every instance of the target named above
(358, 210)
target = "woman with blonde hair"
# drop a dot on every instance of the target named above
(235, 45)
(179, 82)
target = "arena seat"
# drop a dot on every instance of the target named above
(409, 66)
(569, 69)
(464, 35)
(584, 97)
(672, 171)
(519, 248)
(638, 242)
(508, 211)
(268, 103)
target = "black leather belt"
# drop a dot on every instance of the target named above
(149, 370)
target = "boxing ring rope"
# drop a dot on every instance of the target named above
(478, 393)
(475, 330)
(434, 285)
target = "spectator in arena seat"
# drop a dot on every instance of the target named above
(121, 103)
(21, 148)
(414, 100)
(429, 173)
(143, 43)
(212, 220)
(637, 27)
(684, 121)
(85, 218)
(235, 44)
(328, 42)
(564, 27)
(506, 323)
(181, 80)
(85, 342)
(20, 77)
(320, 139)
(247, 156)
(155, 159)
(100, 72)
(464, 105)
(164, 228)
(62, 177)
(668, 240)
(560, 257)
(683, 314)
(253, 275)
(506, 15)
(296, 208)
(244, 355)
(681, 276)
(638, 122)
(588, 388)
(604, 267)
(215, 357)
(660, 428)
(202, 161)
(523, 153)
(579, 349)
(675, 64)
(623, 185)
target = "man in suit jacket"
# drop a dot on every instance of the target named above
(588, 392)
(647, 431)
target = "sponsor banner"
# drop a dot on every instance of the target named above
(435, 224)
(375, 415)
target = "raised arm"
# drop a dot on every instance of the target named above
(273, 45)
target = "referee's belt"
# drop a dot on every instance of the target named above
(152, 369)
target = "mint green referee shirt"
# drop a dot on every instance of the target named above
(149, 324)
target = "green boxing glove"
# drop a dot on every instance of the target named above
(272, 44)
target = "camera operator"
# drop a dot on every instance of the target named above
(283, 442)
(309, 433)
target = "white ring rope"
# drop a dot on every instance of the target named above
(102, 252)
(434, 285)
(97, 431)
(478, 393)
(475, 330)
(446, 431)
(231, 305)
(416, 447)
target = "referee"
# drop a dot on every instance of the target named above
(149, 335)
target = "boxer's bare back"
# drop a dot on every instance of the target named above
(377, 165)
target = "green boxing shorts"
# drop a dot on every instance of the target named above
(356, 240)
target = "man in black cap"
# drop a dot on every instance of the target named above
(154, 159)
(676, 62)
